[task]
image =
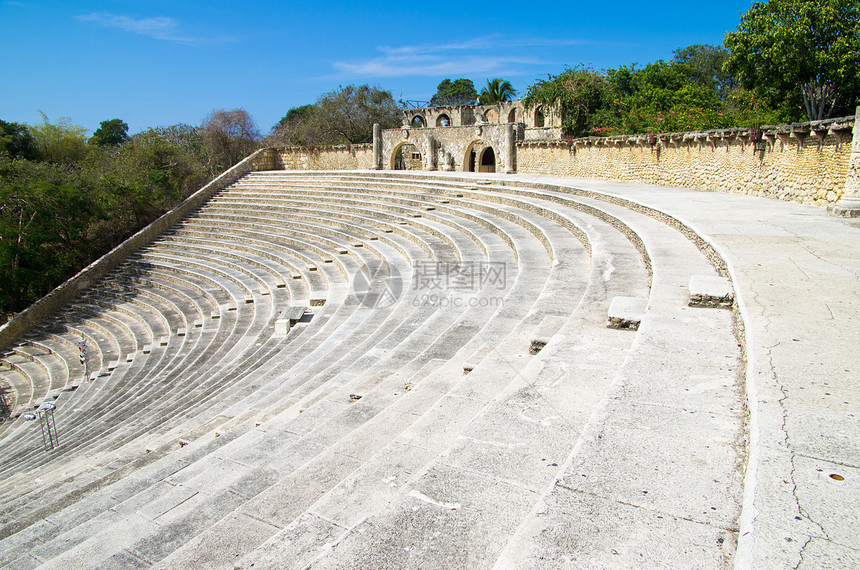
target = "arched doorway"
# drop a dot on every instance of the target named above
(488, 160)
(512, 116)
(443, 121)
(479, 157)
(407, 156)
(417, 122)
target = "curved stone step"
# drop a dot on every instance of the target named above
(315, 417)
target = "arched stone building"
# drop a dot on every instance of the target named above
(470, 138)
(468, 115)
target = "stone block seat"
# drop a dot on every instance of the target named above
(357, 440)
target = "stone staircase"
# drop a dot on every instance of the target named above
(477, 413)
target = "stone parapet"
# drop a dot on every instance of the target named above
(849, 204)
(802, 162)
(335, 157)
(816, 162)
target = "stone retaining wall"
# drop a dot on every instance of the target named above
(803, 162)
(796, 163)
(264, 159)
(338, 157)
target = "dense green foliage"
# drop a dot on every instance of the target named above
(16, 140)
(452, 93)
(785, 49)
(788, 60)
(60, 142)
(690, 92)
(343, 116)
(665, 96)
(294, 128)
(64, 201)
(703, 65)
(579, 92)
(43, 230)
(496, 91)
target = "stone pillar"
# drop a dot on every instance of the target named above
(447, 162)
(510, 148)
(377, 147)
(849, 204)
(431, 152)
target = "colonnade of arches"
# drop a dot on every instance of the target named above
(479, 157)
(424, 118)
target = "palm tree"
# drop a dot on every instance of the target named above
(496, 91)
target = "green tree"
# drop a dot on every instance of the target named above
(57, 216)
(43, 238)
(453, 93)
(746, 109)
(16, 140)
(295, 115)
(662, 97)
(496, 91)
(808, 47)
(299, 126)
(60, 142)
(112, 132)
(577, 93)
(704, 66)
(347, 114)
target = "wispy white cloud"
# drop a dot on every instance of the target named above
(159, 28)
(484, 42)
(484, 54)
(430, 66)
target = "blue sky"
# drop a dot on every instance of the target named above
(160, 63)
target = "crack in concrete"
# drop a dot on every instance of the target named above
(792, 456)
(800, 554)
(827, 261)
(805, 275)
(648, 509)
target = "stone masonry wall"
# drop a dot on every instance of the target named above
(810, 172)
(339, 157)
(802, 162)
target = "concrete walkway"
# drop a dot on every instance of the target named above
(797, 277)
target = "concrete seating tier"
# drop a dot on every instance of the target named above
(438, 426)
(391, 207)
(264, 218)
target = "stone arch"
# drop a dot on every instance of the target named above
(477, 153)
(418, 122)
(406, 156)
(488, 160)
(443, 120)
(540, 118)
(512, 116)
(492, 116)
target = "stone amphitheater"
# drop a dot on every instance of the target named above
(376, 369)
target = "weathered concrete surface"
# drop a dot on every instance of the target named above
(796, 272)
(626, 312)
(707, 291)
(604, 448)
